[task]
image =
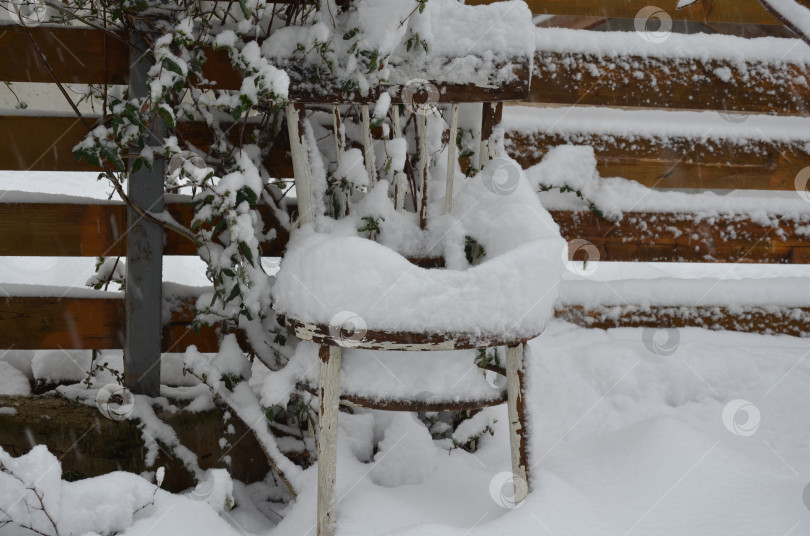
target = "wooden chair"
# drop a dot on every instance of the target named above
(332, 341)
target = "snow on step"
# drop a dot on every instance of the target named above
(672, 292)
(702, 47)
(655, 124)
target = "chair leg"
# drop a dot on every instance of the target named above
(329, 395)
(517, 421)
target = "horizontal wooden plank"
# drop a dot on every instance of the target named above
(67, 51)
(741, 11)
(568, 78)
(677, 161)
(663, 237)
(793, 321)
(90, 230)
(572, 21)
(77, 56)
(60, 229)
(32, 143)
(402, 404)
(650, 82)
(30, 323)
(45, 143)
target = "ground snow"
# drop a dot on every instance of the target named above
(624, 441)
(12, 381)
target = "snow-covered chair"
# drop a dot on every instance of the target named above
(342, 292)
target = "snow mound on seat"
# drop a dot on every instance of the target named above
(511, 295)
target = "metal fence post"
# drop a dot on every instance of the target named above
(144, 295)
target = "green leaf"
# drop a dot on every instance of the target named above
(217, 228)
(111, 155)
(87, 154)
(245, 10)
(234, 293)
(246, 252)
(249, 195)
(170, 65)
(167, 116)
(351, 33)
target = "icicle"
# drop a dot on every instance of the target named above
(451, 158)
(424, 156)
(336, 130)
(368, 148)
(339, 144)
(399, 177)
(300, 158)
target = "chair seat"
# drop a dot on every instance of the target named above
(347, 335)
(505, 300)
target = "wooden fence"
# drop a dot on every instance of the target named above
(36, 227)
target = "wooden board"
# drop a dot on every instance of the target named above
(79, 230)
(399, 404)
(374, 339)
(76, 55)
(771, 321)
(662, 237)
(741, 11)
(31, 143)
(69, 50)
(46, 143)
(677, 162)
(60, 229)
(691, 84)
(29, 323)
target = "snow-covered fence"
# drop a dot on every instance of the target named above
(654, 148)
(736, 11)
